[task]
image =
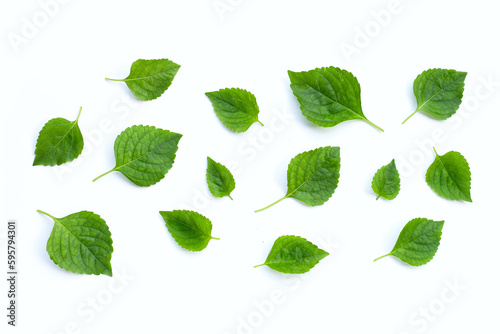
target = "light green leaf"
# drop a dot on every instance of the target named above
(236, 108)
(219, 179)
(81, 243)
(293, 255)
(190, 229)
(150, 78)
(144, 154)
(418, 242)
(313, 176)
(386, 182)
(59, 141)
(439, 92)
(449, 176)
(328, 96)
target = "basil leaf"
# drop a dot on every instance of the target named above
(449, 176)
(144, 154)
(189, 229)
(293, 255)
(439, 92)
(150, 78)
(81, 243)
(386, 181)
(328, 96)
(59, 141)
(313, 176)
(219, 179)
(236, 108)
(418, 242)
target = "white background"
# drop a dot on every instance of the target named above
(159, 287)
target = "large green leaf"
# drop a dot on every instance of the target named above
(386, 181)
(328, 96)
(59, 141)
(449, 176)
(418, 242)
(81, 243)
(313, 176)
(144, 154)
(236, 108)
(219, 179)
(293, 255)
(439, 92)
(150, 78)
(189, 229)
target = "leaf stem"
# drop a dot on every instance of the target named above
(407, 118)
(260, 122)
(378, 197)
(259, 265)
(97, 178)
(79, 113)
(114, 79)
(270, 205)
(214, 238)
(435, 151)
(374, 125)
(45, 213)
(378, 258)
(230, 197)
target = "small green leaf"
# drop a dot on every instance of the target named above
(293, 255)
(144, 154)
(386, 182)
(418, 242)
(313, 176)
(219, 179)
(236, 108)
(439, 92)
(150, 78)
(328, 96)
(81, 243)
(189, 229)
(449, 176)
(59, 141)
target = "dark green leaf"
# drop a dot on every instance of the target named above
(150, 78)
(386, 182)
(439, 92)
(59, 141)
(328, 96)
(190, 230)
(219, 179)
(313, 176)
(449, 176)
(418, 242)
(293, 255)
(81, 243)
(236, 108)
(144, 154)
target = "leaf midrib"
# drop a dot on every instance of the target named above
(134, 160)
(437, 93)
(438, 157)
(219, 176)
(256, 119)
(59, 142)
(148, 77)
(294, 261)
(412, 241)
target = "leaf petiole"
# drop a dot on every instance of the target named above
(79, 113)
(114, 79)
(45, 213)
(374, 125)
(97, 178)
(407, 118)
(259, 265)
(270, 205)
(378, 258)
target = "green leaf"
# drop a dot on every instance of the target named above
(439, 92)
(150, 78)
(59, 141)
(418, 242)
(236, 108)
(449, 176)
(328, 96)
(144, 154)
(190, 230)
(293, 255)
(313, 176)
(386, 182)
(219, 179)
(81, 243)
